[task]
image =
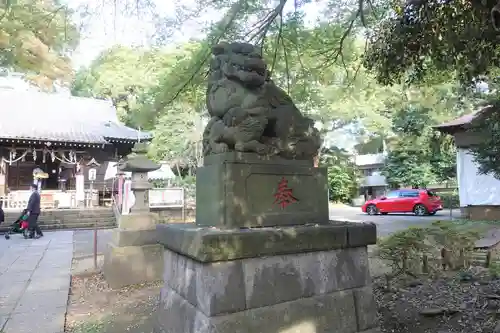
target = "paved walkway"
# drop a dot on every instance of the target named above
(83, 246)
(34, 282)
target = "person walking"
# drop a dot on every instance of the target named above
(2, 214)
(33, 211)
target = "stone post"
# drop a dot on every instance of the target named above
(134, 255)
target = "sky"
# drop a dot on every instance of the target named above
(111, 27)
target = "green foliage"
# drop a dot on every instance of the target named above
(487, 150)
(133, 79)
(419, 155)
(90, 327)
(374, 145)
(320, 66)
(35, 37)
(446, 234)
(449, 199)
(494, 270)
(406, 249)
(178, 135)
(125, 75)
(407, 165)
(188, 183)
(424, 40)
(342, 174)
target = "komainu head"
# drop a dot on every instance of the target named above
(240, 62)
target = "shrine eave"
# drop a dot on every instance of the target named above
(62, 144)
(33, 117)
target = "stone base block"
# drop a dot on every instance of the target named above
(127, 265)
(322, 291)
(327, 313)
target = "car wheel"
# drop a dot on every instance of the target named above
(384, 213)
(371, 210)
(420, 210)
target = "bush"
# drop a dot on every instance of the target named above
(450, 199)
(422, 250)
(404, 250)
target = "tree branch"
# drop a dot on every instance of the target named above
(225, 24)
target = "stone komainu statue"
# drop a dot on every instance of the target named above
(249, 113)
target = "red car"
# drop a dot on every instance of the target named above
(420, 202)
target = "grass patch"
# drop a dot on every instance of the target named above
(88, 327)
(479, 226)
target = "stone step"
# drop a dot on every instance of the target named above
(80, 226)
(69, 226)
(68, 219)
(76, 221)
(92, 223)
(66, 214)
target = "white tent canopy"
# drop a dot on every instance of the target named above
(164, 172)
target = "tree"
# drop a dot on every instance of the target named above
(342, 174)
(407, 165)
(420, 155)
(124, 75)
(36, 37)
(178, 134)
(486, 151)
(423, 38)
(131, 78)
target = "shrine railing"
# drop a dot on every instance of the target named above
(49, 199)
(159, 198)
(170, 197)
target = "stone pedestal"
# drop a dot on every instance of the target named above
(301, 279)
(236, 190)
(133, 255)
(251, 264)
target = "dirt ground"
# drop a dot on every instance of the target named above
(95, 308)
(455, 302)
(461, 302)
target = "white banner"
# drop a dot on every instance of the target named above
(80, 188)
(128, 197)
(475, 189)
(166, 197)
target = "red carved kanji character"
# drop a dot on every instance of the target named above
(284, 195)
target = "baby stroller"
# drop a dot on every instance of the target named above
(19, 226)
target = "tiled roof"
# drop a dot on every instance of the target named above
(463, 121)
(56, 117)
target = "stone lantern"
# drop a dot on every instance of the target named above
(139, 165)
(133, 255)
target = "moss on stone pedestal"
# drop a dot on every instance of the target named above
(207, 244)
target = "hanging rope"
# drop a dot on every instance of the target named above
(71, 159)
(12, 158)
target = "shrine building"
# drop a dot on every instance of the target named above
(63, 136)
